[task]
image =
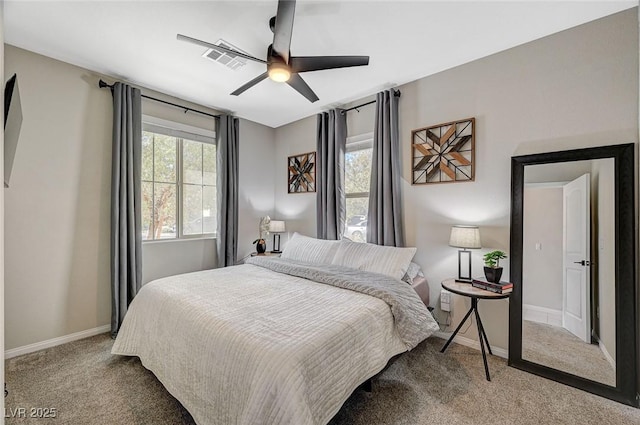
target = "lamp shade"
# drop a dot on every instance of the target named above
(276, 226)
(465, 237)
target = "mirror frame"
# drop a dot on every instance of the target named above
(626, 293)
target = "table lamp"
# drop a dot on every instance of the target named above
(465, 237)
(276, 227)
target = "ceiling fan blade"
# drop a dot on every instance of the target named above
(316, 63)
(284, 28)
(302, 87)
(215, 46)
(250, 84)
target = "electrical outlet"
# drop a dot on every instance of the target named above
(445, 300)
(445, 297)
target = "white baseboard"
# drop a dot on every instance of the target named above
(31, 348)
(549, 316)
(468, 342)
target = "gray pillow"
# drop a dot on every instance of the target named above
(412, 271)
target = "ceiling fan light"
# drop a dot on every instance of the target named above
(279, 73)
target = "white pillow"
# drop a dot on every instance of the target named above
(387, 260)
(310, 250)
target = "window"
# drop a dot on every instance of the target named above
(357, 180)
(178, 182)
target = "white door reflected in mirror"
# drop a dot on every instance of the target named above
(576, 282)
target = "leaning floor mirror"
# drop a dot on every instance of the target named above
(573, 313)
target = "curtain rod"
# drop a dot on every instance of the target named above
(102, 84)
(396, 93)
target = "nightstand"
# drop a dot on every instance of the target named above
(466, 290)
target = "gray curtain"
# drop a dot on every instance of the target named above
(330, 197)
(126, 229)
(227, 183)
(384, 225)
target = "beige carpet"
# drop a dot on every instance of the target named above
(558, 348)
(89, 386)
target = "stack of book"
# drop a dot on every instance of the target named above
(498, 288)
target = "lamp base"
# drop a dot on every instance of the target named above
(276, 243)
(464, 266)
(276, 252)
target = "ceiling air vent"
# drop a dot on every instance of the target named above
(227, 59)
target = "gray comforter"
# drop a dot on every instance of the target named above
(413, 321)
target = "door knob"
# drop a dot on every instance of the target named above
(583, 262)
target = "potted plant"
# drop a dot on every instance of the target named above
(492, 269)
(263, 229)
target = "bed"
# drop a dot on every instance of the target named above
(276, 340)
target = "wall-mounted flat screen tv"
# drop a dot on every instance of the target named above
(12, 124)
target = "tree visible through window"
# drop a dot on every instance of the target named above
(178, 187)
(357, 180)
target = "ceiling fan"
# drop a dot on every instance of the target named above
(281, 66)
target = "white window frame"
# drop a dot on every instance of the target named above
(179, 131)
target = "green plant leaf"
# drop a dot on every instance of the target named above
(492, 259)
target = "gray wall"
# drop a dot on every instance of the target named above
(556, 173)
(298, 209)
(58, 206)
(573, 89)
(257, 179)
(542, 268)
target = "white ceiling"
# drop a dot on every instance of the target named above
(135, 41)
